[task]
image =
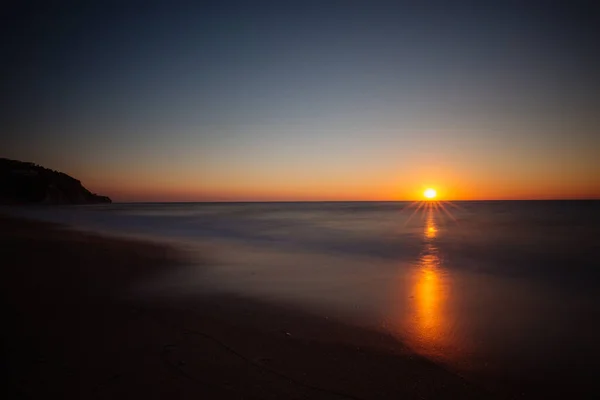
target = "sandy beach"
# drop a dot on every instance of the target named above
(73, 332)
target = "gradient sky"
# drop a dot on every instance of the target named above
(299, 101)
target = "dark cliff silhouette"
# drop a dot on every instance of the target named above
(28, 183)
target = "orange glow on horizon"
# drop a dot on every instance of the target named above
(447, 187)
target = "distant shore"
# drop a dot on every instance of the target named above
(73, 333)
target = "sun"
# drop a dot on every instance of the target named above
(430, 193)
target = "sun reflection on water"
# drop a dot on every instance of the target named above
(430, 230)
(426, 320)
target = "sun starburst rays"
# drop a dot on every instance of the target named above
(427, 207)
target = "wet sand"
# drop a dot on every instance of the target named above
(73, 331)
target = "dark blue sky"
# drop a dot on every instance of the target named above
(255, 100)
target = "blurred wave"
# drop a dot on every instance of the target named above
(551, 240)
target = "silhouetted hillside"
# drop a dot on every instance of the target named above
(28, 183)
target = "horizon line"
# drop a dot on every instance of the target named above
(346, 201)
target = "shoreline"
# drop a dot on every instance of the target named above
(73, 335)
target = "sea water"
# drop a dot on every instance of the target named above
(498, 290)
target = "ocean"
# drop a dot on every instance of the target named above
(503, 292)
